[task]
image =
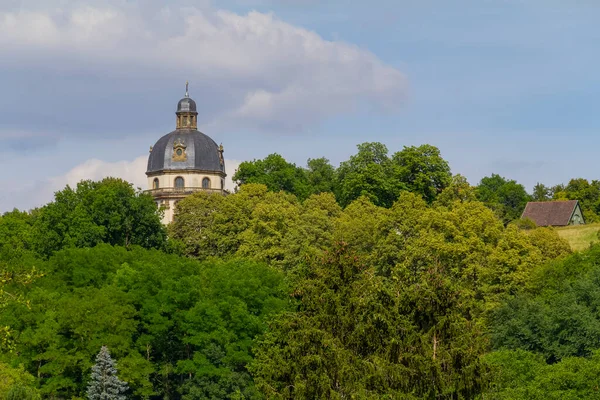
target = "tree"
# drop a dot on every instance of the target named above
(458, 190)
(320, 175)
(588, 194)
(16, 232)
(104, 383)
(276, 173)
(554, 314)
(506, 197)
(369, 173)
(17, 384)
(359, 334)
(109, 211)
(423, 170)
(541, 192)
(522, 375)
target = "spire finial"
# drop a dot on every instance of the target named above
(187, 94)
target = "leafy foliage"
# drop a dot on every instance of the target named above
(17, 384)
(109, 211)
(423, 170)
(359, 334)
(521, 375)
(370, 173)
(557, 317)
(177, 326)
(275, 173)
(384, 278)
(506, 197)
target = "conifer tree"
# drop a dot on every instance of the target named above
(105, 385)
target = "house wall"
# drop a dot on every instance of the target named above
(577, 217)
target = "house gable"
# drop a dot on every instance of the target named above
(577, 216)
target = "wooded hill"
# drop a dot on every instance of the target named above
(384, 278)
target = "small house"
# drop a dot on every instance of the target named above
(554, 213)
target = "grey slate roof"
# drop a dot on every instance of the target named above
(550, 213)
(202, 152)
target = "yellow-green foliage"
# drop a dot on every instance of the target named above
(580, 236)
(16, 383)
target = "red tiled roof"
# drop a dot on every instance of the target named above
(546, 213)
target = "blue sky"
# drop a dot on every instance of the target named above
(508, 87)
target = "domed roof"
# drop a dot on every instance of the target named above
(186, 104)
(199, 152)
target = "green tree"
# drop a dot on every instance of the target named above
(269, 223)
(541, 192)
(588, 194)
(16, 232)
(423, 170)
(321, 175)
(458, 190)
(180, 328)
(104, 383)
(555, 312)
(522, 375)
(360, 334)
(17, 384)
(369, 173)
(506, 197)
(109, 211)
(276, 173)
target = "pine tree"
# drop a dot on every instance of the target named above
(105, 385)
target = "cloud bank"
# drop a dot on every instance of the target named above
(260, 72)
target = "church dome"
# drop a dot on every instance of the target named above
(186, 149)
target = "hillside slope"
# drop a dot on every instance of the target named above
(580, 236)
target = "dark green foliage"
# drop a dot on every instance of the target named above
(541, 193)
(558, 316)
(521, 375)
(397, 295)
(275, 173)
(110, 211)
(176, 326)
(423, 170)
(370, 173)
(321, 175)
(506, 197)
(16, 233)
(358, 334)
(587, 193)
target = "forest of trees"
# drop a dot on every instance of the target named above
(384, 278)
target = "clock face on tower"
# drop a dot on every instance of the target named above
(179, 147)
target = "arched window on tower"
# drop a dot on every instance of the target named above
(155, 183)
(205, 183)
(179, 183)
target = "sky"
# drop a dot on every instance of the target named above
(505, 86)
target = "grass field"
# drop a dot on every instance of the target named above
(580, 236)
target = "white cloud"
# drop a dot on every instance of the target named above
(273, 75)
(133, 171)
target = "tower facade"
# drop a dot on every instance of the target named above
(184, 161)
